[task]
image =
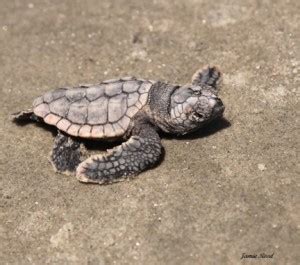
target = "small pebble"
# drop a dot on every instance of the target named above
(261, 167)
(192, 45)
(150, 27)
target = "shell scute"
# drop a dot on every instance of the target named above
(132, 99)
(54, 95)
(52, 119)
(85, 131)
(113, 89)
(145, 87)
(132, 111)
(118, 129)
(131, 86)
(42, 110)
(117, 107)
(74, 129)
(124, 122)
(60, 106)
(97, 131)
(95, 92)
(38, 101)
(75, 94)
(109, 130)
(78, 111)
(63, 124)
(98, 111)
(143, 98)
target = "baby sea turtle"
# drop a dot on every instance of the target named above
(129, 108)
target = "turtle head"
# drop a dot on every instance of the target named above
(193, 106)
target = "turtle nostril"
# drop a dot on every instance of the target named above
(197, 116)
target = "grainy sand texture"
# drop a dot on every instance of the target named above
(222, 192)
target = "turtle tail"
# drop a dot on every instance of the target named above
(24, 116)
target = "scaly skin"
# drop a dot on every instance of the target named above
(66, 154)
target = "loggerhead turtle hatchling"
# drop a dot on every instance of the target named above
(129, 108)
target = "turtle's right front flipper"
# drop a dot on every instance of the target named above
(141, 151)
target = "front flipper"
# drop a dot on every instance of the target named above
(66, 153)
(141, 151)
(208, 76)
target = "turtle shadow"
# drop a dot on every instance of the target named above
(210, 129)
(99, 145)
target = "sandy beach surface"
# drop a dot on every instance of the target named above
(224, 191)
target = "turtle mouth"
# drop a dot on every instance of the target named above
(218, 108)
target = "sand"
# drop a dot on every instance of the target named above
(227, 190)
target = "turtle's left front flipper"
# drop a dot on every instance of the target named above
(210, 76)
(141, 151)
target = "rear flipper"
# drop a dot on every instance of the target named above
(208, 76)
(141, 151)
(66, 154)
(24, 116)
